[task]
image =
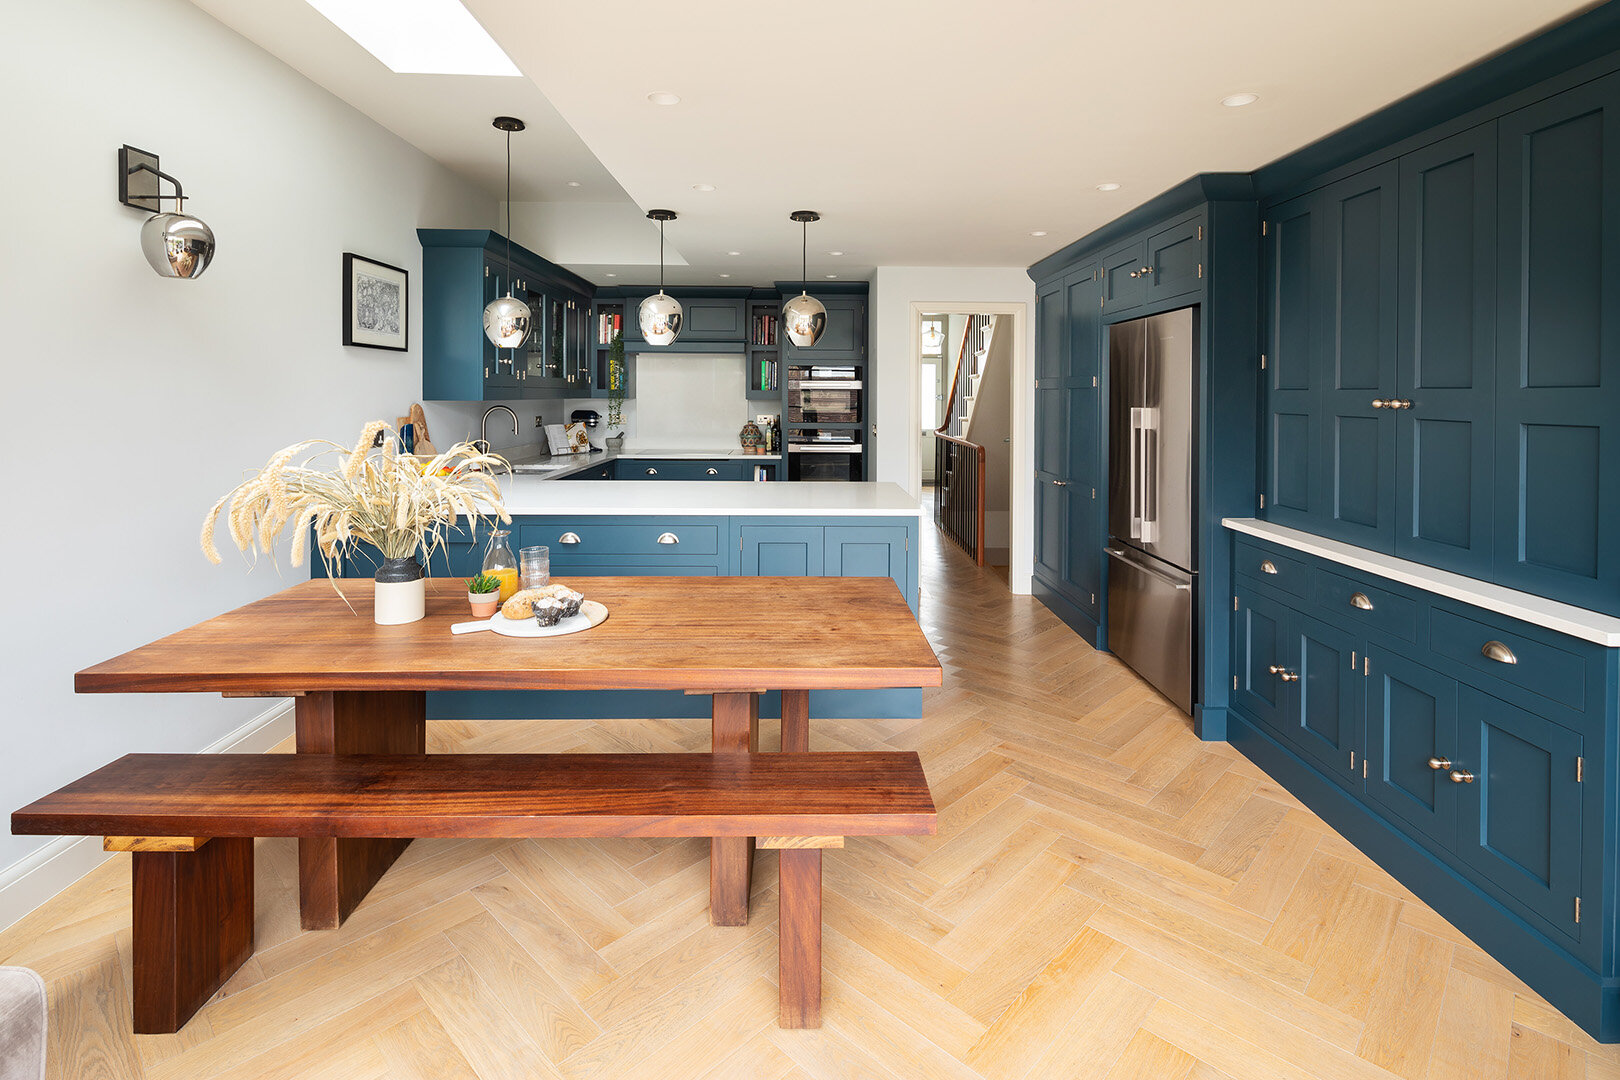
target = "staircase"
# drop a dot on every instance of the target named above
(959, 497)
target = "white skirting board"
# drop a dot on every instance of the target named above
(34, 879)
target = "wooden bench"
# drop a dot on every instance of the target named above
(190, 820)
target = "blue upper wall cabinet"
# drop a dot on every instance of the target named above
(713, 319)
(1558, 369)
(1295, 335)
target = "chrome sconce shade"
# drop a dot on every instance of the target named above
(804, 318)
(660, 316)
(176, 244)
(507, 320)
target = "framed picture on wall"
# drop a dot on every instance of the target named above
(376, 304)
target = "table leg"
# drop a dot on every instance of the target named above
(795, 721)
(731, 858)
(335, 874)
(799, 962)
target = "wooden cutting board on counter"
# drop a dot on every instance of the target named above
(418, 419)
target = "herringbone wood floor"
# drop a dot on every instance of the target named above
(1107, 898)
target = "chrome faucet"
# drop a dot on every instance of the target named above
(483, 426)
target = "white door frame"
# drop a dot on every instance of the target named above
(1021, 455)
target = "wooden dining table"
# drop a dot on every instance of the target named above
(361, 688)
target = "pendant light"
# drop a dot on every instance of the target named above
(660, 316)
(176, 244)
(804, 317)
(507, 319)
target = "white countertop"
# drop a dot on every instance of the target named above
(1565, 618)
(532, 462)
(534, 494)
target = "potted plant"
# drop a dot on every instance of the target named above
(616, 386)
(371, 496)
(484, 594)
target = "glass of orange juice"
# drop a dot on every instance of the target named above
(499, 562)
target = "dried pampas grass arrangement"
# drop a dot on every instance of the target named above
(399, 504)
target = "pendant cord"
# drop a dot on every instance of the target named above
(804, 258)
(509, 214)
(660, 257)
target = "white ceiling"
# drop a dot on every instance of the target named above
(937, 133)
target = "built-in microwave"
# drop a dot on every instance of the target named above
(823, 395)
(823, 454)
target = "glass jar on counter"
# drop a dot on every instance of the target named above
(534, 567)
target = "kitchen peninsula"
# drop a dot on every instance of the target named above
(697, 528)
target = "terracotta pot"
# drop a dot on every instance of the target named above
(484, 604)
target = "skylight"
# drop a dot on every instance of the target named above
(419, 37)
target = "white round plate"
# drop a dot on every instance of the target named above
(590, 614)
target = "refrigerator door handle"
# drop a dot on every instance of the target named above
(1150, 475)
(1137, 509)
(1185, 586)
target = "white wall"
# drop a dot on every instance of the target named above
(132, 402)
(898, 293)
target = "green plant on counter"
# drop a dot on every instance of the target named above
(483, 583)
(616, 380)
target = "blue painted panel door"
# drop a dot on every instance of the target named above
(1356, 500)
(1520, 819)
(1411, 718)
(1444, 454)
(1293, 338)
(1175, 260)
(1558, 334)
(1262, 647)
(868, 551)
(782, 551)
(845, 336)
(1325, 712)
(1051, 432)
(1124, 279)
(1082, 378)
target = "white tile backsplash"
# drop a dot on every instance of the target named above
(683, 401)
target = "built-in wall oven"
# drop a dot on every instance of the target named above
(823, 395)
(823, 454)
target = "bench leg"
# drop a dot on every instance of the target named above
(731, 858)
(795, 721)
(334, 875)
(800, 949)
(192, 928)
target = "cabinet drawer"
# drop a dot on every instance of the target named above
(632, 538)
(1267, 567)
(1353, 602)
(1554, 673)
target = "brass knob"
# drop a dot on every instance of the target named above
(1359, 600)
(1135, 274)
(1283, 673)
(1380, 403)
(1438, 763)
(1461, 776)
(1267, 566)
(1401, 403)
(1060, 483)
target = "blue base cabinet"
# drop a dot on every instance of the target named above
(1469, 754)
(686, 546)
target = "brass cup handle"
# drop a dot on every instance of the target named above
(652, 472)
(1267, 566)
(1461, 776)
(568, 538)
(1359, 600)
(1439, 763)
(1283, 673)
(714, 472)
(1495, 650)
(668, 538)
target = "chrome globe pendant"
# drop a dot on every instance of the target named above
(804, 318)
(660, 316)
(177, 244)
(507, 320)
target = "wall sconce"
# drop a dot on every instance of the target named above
(177, 244)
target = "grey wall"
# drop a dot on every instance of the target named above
(132, 402)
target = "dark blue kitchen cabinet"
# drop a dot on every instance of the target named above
(844, 339)
(1558, 342)
(1175, 260)
(605, 471)
(1411, 731)
(1324, 718)
(1295, 334)
(1520, 821)
(1051, 526)
(829, 550)
(1356, 362)
(867, 551)
(712, 319)
(782, 550)
(1263, 661)
(1051, 432)
(1125, 278)
(1444, 454)
(678, 469)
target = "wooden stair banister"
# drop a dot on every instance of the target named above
(959, 499)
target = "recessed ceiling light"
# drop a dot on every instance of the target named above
(1108, 187)
(1235, 101)
(419, 37)
(613, 275)
(573, 183)
(1038, 232)
(663, 97)
(725, 275)
(702, 187)
(832, 275)
(733, 253)
(835, 252)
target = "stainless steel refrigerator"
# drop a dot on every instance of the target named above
(1152, 548)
